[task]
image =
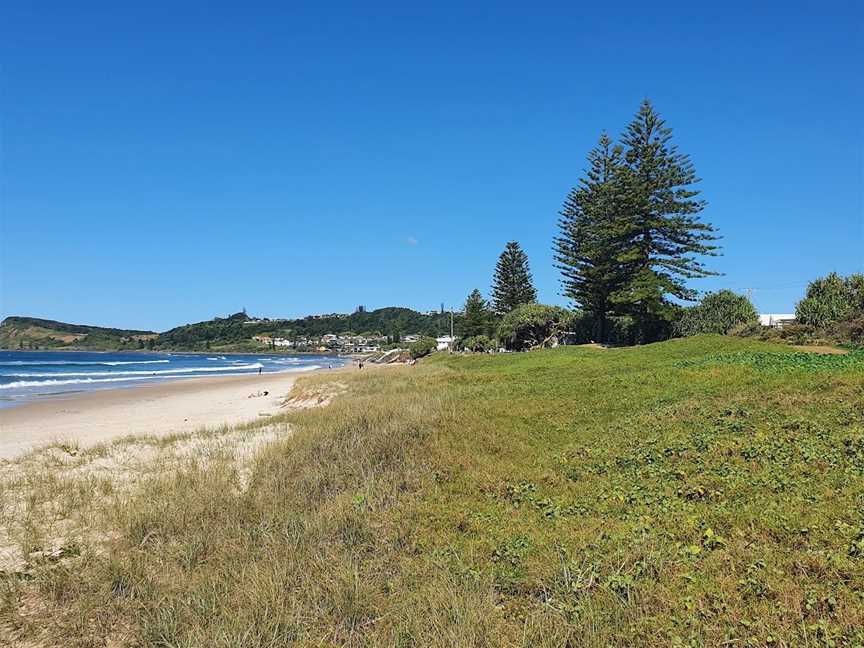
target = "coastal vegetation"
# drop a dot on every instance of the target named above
(831, 299)
(703, 491)
(721, 312)
(422, 347)
(536, 325)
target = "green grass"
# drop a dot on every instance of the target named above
(777, 362)
(700, 492)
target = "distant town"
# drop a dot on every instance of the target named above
(331, 342)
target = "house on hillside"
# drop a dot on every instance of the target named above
(776, 320)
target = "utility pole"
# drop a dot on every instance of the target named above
(452, 339)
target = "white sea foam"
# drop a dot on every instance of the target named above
(126, 378)
(76, 381)
(160, 372)
(112, 363)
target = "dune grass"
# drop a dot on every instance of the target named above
(657, 496)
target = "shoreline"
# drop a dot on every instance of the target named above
(153, 409)
(330, 354)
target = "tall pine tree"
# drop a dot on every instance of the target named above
(664, 237)
(512, 284)
(593, 231)
(477, 318)
(630, 234)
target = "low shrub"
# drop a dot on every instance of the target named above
(422, 347)
(478, 343)
(851, 330)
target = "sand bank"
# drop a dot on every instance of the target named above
(157, 409)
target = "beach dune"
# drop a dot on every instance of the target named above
(154, 409)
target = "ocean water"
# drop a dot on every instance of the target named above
(29, 375)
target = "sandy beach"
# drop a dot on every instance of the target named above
(156, 409)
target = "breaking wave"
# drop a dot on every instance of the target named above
(107, 363)
(160, 372)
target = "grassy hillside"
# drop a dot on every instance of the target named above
(33, 332)
(698, 492)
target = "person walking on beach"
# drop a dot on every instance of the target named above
(260, 369)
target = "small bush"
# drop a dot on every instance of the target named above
(477, 343)
(851, 330)
(422, 347)
(719, 312)
(748, 329)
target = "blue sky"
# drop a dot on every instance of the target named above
(162, 165)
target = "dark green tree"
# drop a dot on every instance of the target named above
(594, 231)
(477, 318)
(512, 284)
(664, 237)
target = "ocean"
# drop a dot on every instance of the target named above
(29, 375)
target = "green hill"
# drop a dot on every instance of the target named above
(33, 333)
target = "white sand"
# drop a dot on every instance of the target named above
(157, 409)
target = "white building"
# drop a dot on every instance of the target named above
(776, 320)
(444, 342)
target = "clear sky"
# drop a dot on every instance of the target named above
(175, 161)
